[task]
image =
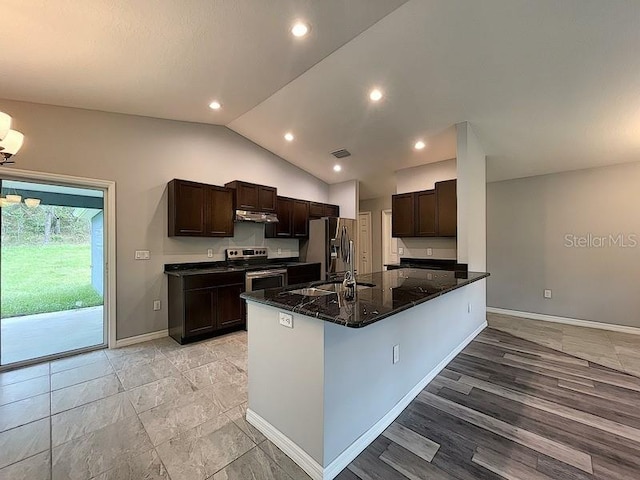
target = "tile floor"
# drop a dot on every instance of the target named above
(620, 351)
(156, 410)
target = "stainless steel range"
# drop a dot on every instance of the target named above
(261, 278)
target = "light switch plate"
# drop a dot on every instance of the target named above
(156, 305)
(429, 251)
(142, 255)
(547, 293)
(396, 353)
(286, 319)
(400, 251)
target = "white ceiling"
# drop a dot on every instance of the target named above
(547, 85)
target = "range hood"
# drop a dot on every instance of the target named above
(256, 217)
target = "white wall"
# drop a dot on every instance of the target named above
(472, 199)
(527, 221)
(419, 178)
(346, 195)
(143, 154)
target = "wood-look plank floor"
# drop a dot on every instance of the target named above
(507, 408)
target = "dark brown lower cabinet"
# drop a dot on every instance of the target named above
(297, 274)
(206, 305)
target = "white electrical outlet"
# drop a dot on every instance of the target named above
(210, 253)
(547, 293)
(286, 319)
(429, 252)
(279, 251)
(142, 255)
(400, 251)
(396, 353)
(156, 305)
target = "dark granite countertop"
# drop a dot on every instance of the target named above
(202, 268)
(393, 291)
(429, 263)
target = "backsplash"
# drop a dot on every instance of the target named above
(246, 234)
(442, 248)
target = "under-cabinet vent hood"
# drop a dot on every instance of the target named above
(257, 217)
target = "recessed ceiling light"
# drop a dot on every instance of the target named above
(300, 29)
(289, 137)
(375, 94)
(419, 145)
(337, 168)
(215, 105)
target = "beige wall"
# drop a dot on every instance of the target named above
(376, 206)
(527, 221)
(142, 154)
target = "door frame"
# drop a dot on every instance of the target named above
(386, 237)
(109, 188)
(368, 240)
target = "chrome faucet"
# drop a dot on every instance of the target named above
(349, 282)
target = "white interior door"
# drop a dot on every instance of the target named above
(389, 244)
(364, 242)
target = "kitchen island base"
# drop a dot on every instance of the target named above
(322, 392)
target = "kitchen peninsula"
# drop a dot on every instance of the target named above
(327, 376)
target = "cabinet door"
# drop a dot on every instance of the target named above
(447, 200)
(316, 210)
(267, 199)
(300, 218)
(402, 217)
(186, 208)
(425, 205)
(303, 273)
(331, 211)
(199, 312)
(230, 307)
(219, 212)
(246, 196)
(284, 227)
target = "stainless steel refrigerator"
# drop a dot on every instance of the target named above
(328, 239)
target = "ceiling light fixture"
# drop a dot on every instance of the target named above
(215, 105)
(5, 125)
(10, 145)
(289, 137)
(300, 29)
(419, 145)
(337, 168)
(375, 95)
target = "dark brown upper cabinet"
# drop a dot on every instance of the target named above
(426, 223)
(446, 195)
(403, 215)
(253, 197)
(284, 227)
(319, 210)
(199, 210)
(428, 213)
(293, 219)
(300, 218)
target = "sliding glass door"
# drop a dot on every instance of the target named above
(52, 271)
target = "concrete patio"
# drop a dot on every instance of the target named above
(32, 336)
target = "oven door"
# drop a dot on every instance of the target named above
(266, 279)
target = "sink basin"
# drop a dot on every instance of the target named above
(312, 292)
(337, 284)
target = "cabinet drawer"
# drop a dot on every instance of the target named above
(207, 280)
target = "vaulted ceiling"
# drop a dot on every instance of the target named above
(547, 85)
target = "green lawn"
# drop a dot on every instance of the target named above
(51, 278)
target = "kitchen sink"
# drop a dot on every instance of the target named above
(312, 292)
(327, 288)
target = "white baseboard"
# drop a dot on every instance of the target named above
(313, 468)
(565, 320)
(291, 449)
(124, 342)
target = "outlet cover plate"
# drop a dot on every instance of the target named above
(286, 319)
(142, 255)
(548, 293)
(396, 353)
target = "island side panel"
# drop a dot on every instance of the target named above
(362, 384)
(286, 375)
